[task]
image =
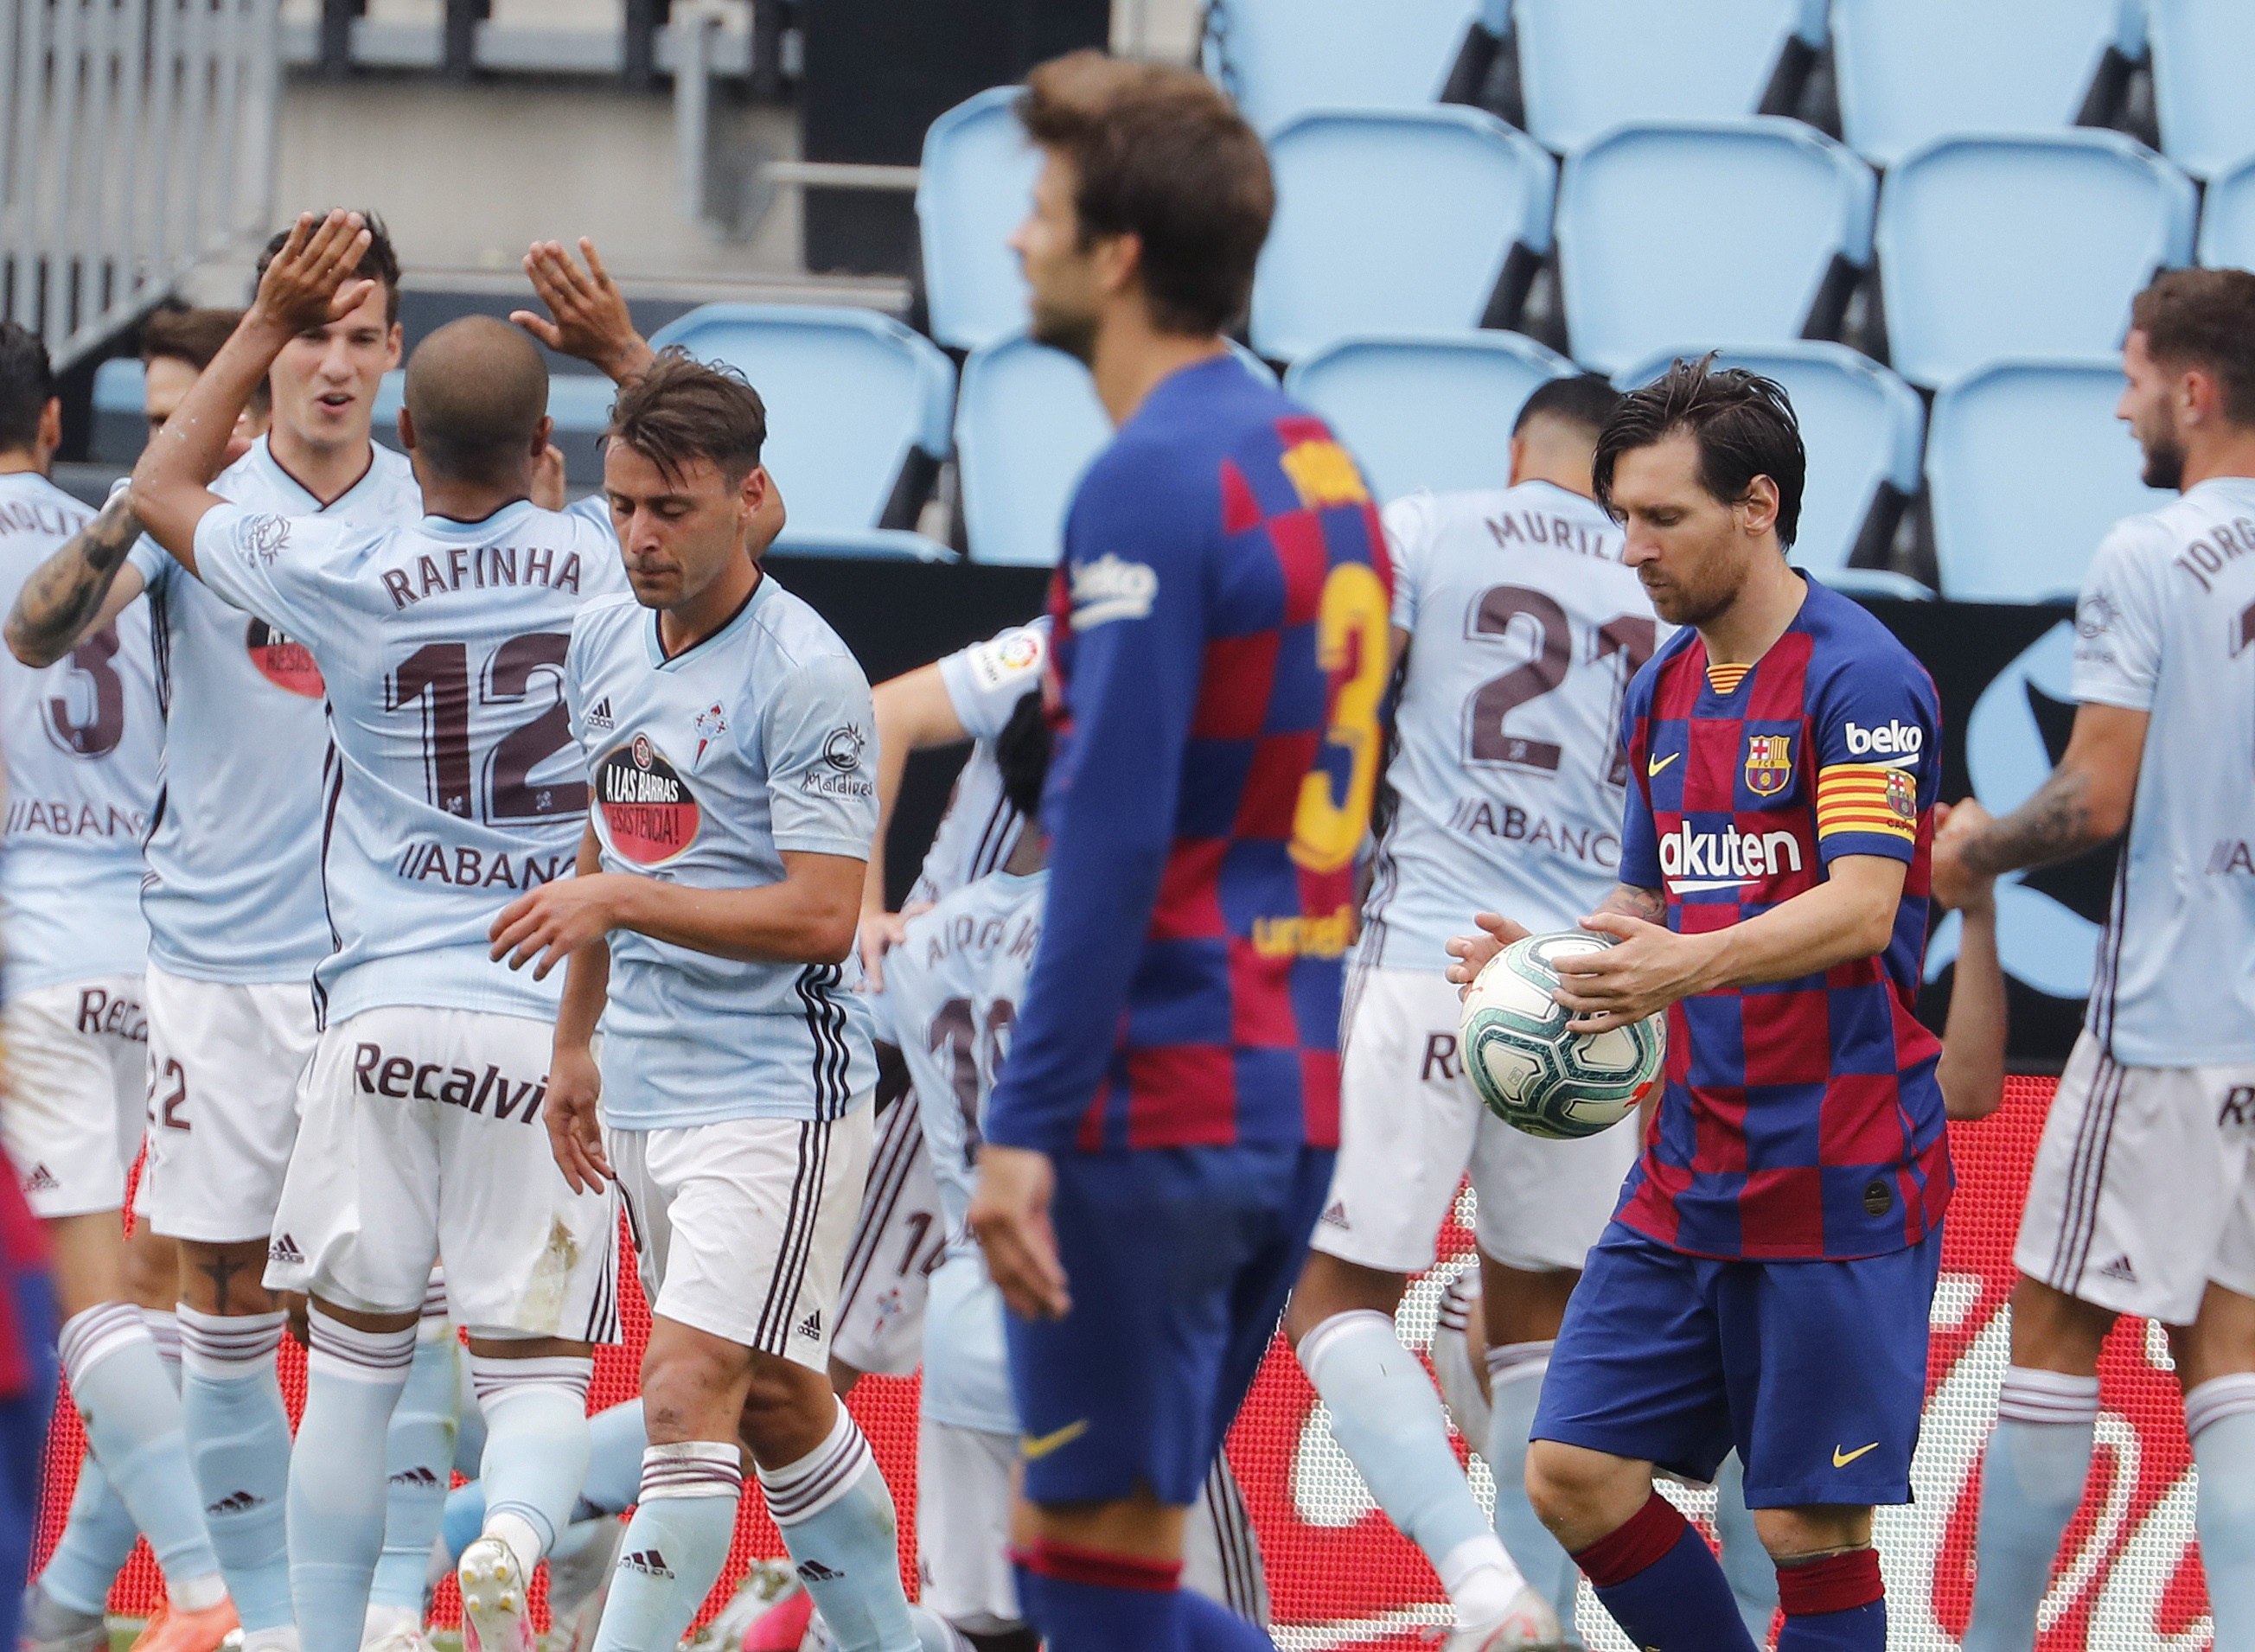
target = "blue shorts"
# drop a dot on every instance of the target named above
(1178, 1260)
(1815, 1371)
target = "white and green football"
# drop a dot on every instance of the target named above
(1533, 1074)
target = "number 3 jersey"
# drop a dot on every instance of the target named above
(705, 768)
(82, 740)
(1506, 773)
(453, 786)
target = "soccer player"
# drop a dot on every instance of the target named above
(81, 780)
(725, 739)
(233, 901)
(1766, 1281)
(2140, 1199)
(451, 788)
(1158, 1146)
(1521, 629)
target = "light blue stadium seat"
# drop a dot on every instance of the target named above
(2201, 52)
(869, 544)
(1431, 410)
(2027, 468)
(1027, 427)
(976, 185)
(1586, 65)
(2227, 218)
(1862, 427)
(858, 406)
(1729, 231)
(120, 426)
(1282, 58)
(1409, 220)
(2026, 247)
(1911, 71)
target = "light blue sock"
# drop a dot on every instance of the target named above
(2220, 1417)
(353, 1379)
(239, 1440)
(2032, 1479)
(1386, 1417)
(935, 1633)
(836, 1515)
(134, 1427)
(418, 1466)
(1514, 1383)
(615, 1439)
(1745, 1563)
(97, 1540)
(675, 1545)
(536, 1456)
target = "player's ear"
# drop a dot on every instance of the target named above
(540, 434)
(50, 425)
(394, 347)
(1757, 509)
(406, 431)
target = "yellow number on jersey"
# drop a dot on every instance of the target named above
(1351, 626)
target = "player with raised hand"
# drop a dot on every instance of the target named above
(2142, 1200)
(451, 787)
(1158, 1146)
(1766, 1282)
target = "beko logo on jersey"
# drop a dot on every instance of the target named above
(1110, 589)
(1888, 739)
(376, 1073)
(1727, 859)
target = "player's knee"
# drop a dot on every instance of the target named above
(1581, 1494)
(690, 1389)
(1329, 1287)
(1807, 1533)
(227, 1279)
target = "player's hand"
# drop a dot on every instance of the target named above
(575, 1118)
(1010, 1216)
(1649, 968)
(1955, 885)
(880, 933)
(548, 481)
(310, 283)
(586, 315)
(1472, 953)
(555, 919)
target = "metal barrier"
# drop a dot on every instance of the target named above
(139, 138)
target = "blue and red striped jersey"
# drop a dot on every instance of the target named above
(1801, 1119)
(1218, 663)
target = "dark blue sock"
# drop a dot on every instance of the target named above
(1834, 1605)
(1208, 1626)
(1086, 1600)
(1662, 1584)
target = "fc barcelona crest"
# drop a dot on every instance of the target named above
(1769, 764)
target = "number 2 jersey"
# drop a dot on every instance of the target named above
(81, 744)
(1801, 1119)
(453, 785)
(1507, 769)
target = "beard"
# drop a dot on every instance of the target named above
(1065, 330)
(2164, 462)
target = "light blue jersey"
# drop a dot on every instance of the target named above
(953, 988)
(453, 786)
(1506, 775)
(81, 738)
(705, 768)
(984, 683)
(235, 877)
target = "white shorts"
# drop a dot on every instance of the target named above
(2144, 1188)
(423, 1134)
(77, 1063)
(225, 1062)
(1410, 1126)
(741, 1225)
(899, 1237)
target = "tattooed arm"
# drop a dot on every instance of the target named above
(2084, 803)
(81, 588)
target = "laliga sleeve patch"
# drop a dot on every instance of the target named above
(1002, 661)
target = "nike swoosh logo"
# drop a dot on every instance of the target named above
(1841, 1459)
(1654, 764)
(1039, 1446)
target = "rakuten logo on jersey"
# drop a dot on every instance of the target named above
(1725, 859)
(1900, 740)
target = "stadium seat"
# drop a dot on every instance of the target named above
(2202, 49)
(120, 426)
(975, 186)
(2027, 468)
(1282, 58)
(2027, 246)
(1431, 411)
(1587, 66)
(1732, 232)
(1402, 221)
(857, 406)
(2227, 218)
(1911, 71)
(1862, 426)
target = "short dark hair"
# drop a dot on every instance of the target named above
(1160, 154)
(2204, 318)
(175, 333)
(683, 409)
(1742, 422)
(27, 384)
(1022, 753)
(1583, 401)
(379, 262)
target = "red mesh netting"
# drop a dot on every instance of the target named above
(1341, 1577)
